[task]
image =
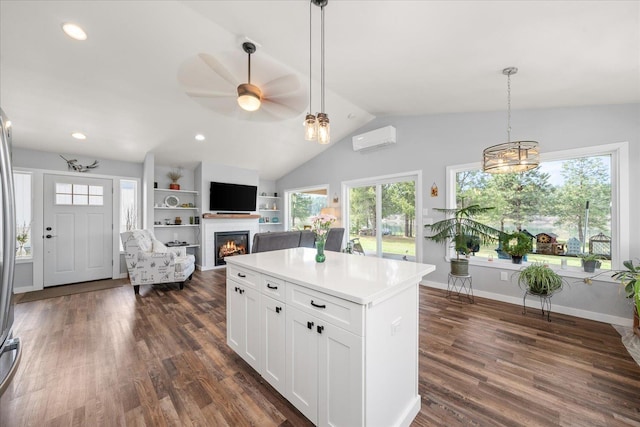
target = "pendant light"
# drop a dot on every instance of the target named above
(511, 156)
(249, 96)
(317, 127)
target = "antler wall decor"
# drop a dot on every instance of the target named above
(75, 166)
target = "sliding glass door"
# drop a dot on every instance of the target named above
(381, 216)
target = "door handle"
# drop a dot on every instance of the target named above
(48, 236)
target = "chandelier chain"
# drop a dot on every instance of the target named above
(322, 59)
(508, 107)
(310, 63)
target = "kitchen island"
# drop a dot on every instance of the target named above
(338, 339)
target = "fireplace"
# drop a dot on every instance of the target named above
(231, 243)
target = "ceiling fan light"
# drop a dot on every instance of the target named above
(324, 129)
(310, 128)
(249, 97)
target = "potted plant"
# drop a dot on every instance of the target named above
(517, 245)
(539, 279)
(461, 229)
(174, 176)
(590, 262)
(629, 279)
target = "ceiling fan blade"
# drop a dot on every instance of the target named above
(218, 68)
(195, 93)
(281, 110)
(281, 86)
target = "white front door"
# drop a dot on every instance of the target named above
(77, 229)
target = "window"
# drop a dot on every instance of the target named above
(79, 194)
(302, 204)
(381, 216)
(22, 185)
(570, 204)
(128, 205)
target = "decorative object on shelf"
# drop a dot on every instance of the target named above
(434, 190)
(275, 206)
(261, 220)
(275, 219)
(22, 237)
(320, 226)
(197, 220)
(171, 201)
(191, 220)
(275, 194)
(174, 176)
(263, 194)
(511, 156)
(155, 185)
(335, 198)
(178, 221)
(462, 231)
(266, 219)
(75, 166)
(167, 221)
(517, 245)
(317, 127)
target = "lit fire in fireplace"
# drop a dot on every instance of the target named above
(231, 248)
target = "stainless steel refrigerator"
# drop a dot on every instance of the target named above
(9, 346)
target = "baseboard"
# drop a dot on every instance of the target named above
(533, 303)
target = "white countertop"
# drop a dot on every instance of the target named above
(355, 278)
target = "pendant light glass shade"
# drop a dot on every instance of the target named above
(511, 156)
(317, 129)
(310, 128)
(249, 97)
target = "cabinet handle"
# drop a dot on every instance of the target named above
(242, 275)
(278, 309)
(241, 291)
(236, 289)
(320, 329)
(271, 287)
(310, 325)
(318, 305)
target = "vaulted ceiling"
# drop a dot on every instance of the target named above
(122, 85)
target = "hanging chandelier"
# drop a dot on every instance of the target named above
(511, 156)
(317, 127)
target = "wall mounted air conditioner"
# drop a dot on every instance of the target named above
(374, 139)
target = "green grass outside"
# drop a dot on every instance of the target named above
(390, 244)
(549, 259)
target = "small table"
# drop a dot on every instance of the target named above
(461, 286)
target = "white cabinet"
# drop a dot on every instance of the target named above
(272, 347)
(349, 327)
(324, 370)
(243, 322)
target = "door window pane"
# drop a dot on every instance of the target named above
(78, 194)
(362, 218)
(398, 220)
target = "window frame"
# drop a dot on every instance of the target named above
(620, 216)
(29, 257)
(287, 200)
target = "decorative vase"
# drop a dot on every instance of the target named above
(516, 259)
(174, 186)
(320, 257)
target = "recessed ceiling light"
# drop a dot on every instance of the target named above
(200, 137)
(79, 135)
(8, 123)
(74, 31)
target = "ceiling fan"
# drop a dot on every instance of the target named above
(209, 82)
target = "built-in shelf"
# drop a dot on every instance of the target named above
(176, 209)
(177, 226)
(167, 190)
(270, 223)
(269, 210)
(270, 197)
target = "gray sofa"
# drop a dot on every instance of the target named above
(273, 241)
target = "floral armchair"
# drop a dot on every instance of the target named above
(149, 261)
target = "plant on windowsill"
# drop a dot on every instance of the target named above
(22, 237)
(517, 245)
(174, 176)
(462, 231)
(590, 262)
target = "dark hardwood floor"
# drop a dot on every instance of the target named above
(111, 358)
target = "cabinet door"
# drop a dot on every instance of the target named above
(340, 377)
(273, 324)
(251, 347)
(235, 317)
(302, 362)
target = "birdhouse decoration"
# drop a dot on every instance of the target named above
(600, 245)
(545, 243)
(574, 246)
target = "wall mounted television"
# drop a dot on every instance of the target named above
(225, 197)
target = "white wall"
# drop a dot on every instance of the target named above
(431, 143)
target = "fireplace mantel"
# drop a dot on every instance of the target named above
(229, 216)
